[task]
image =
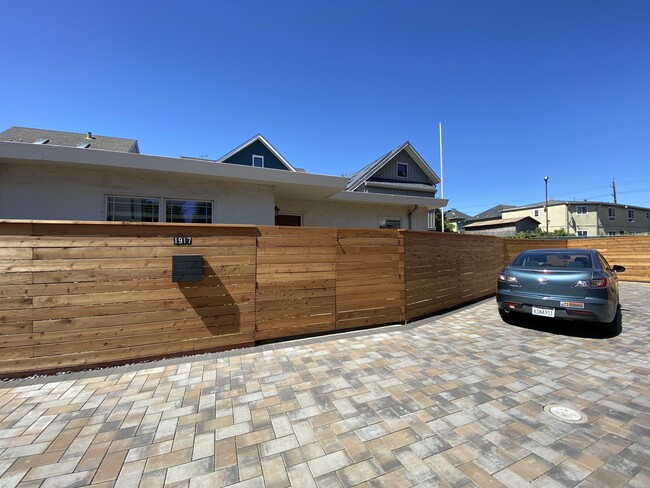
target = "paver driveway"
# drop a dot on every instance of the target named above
(453, 401)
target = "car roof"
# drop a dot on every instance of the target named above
(560, 250)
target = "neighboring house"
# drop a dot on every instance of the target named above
(456, 218)
(401, 171)
(502, 227)
(65, 178)
(587, 218)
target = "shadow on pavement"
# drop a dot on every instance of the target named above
(571, 328)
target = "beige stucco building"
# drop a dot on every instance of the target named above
(587, 219)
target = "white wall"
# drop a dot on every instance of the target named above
(338, 214)
(50, 192)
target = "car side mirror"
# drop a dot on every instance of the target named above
(618, 269)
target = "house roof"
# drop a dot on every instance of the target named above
(491, 213)
(286, 184)
(455, 214)
(498, 222)
(358, 178)
(255, 138)
(85, 140)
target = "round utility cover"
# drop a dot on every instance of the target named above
(565, 414)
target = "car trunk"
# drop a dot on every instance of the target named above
(552, 282)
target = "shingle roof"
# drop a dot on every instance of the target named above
(492, 213)
(69, 139)
(455, 214)
(499, 222)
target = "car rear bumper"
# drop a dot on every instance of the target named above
(593, 309)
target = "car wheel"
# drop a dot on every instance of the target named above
(615, 327)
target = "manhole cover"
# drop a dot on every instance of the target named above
(565, 414)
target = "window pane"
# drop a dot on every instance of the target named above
(402, 170)
(132, 209)
(389, 223)
(188, 211)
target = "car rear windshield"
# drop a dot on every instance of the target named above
(553, 260)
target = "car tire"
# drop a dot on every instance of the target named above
(615, 327)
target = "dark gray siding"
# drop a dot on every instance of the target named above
(389, 171)
(245, 156)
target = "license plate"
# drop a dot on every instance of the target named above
(544, 312)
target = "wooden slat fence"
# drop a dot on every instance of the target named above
(447, 270)
(633, 252)
(296, 281)
(369, 277)
(74, 295)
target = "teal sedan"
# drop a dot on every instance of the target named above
(567, 284)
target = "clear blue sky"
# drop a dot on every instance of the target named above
(524, 89)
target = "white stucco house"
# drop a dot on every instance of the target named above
(53, 175)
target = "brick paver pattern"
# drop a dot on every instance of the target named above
(455, 400)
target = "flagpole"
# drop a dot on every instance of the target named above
(442, 188)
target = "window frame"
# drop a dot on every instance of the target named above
(108, 196)
(582, 233)
(578, 207)
(195, 200)
(386, 219)
(397, 170)
(630, 216)
(162, 207)
(611, 213)
(253, 160)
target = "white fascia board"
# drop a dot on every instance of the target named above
(258, 137)
(95, 158)
(384, 199)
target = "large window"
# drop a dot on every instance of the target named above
(581, 210)
(630, 216)
(188, 211)
(132, 209)
(611, 213)
(583, 233)
(144, 209)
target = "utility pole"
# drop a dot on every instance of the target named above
(614, 190)
(546, 205)
(442, 188)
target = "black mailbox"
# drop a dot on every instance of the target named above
(187, 268)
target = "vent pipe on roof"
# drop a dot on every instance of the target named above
(90, 135)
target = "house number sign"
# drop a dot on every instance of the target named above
(182, 241)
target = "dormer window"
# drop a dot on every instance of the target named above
(402, 170)
(258, 161)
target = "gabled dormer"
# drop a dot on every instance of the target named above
(257, 152)
(401, 171)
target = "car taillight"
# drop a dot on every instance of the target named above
(504, 278)
(599, 283)
(595, 283)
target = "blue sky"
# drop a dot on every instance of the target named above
(524, 89)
